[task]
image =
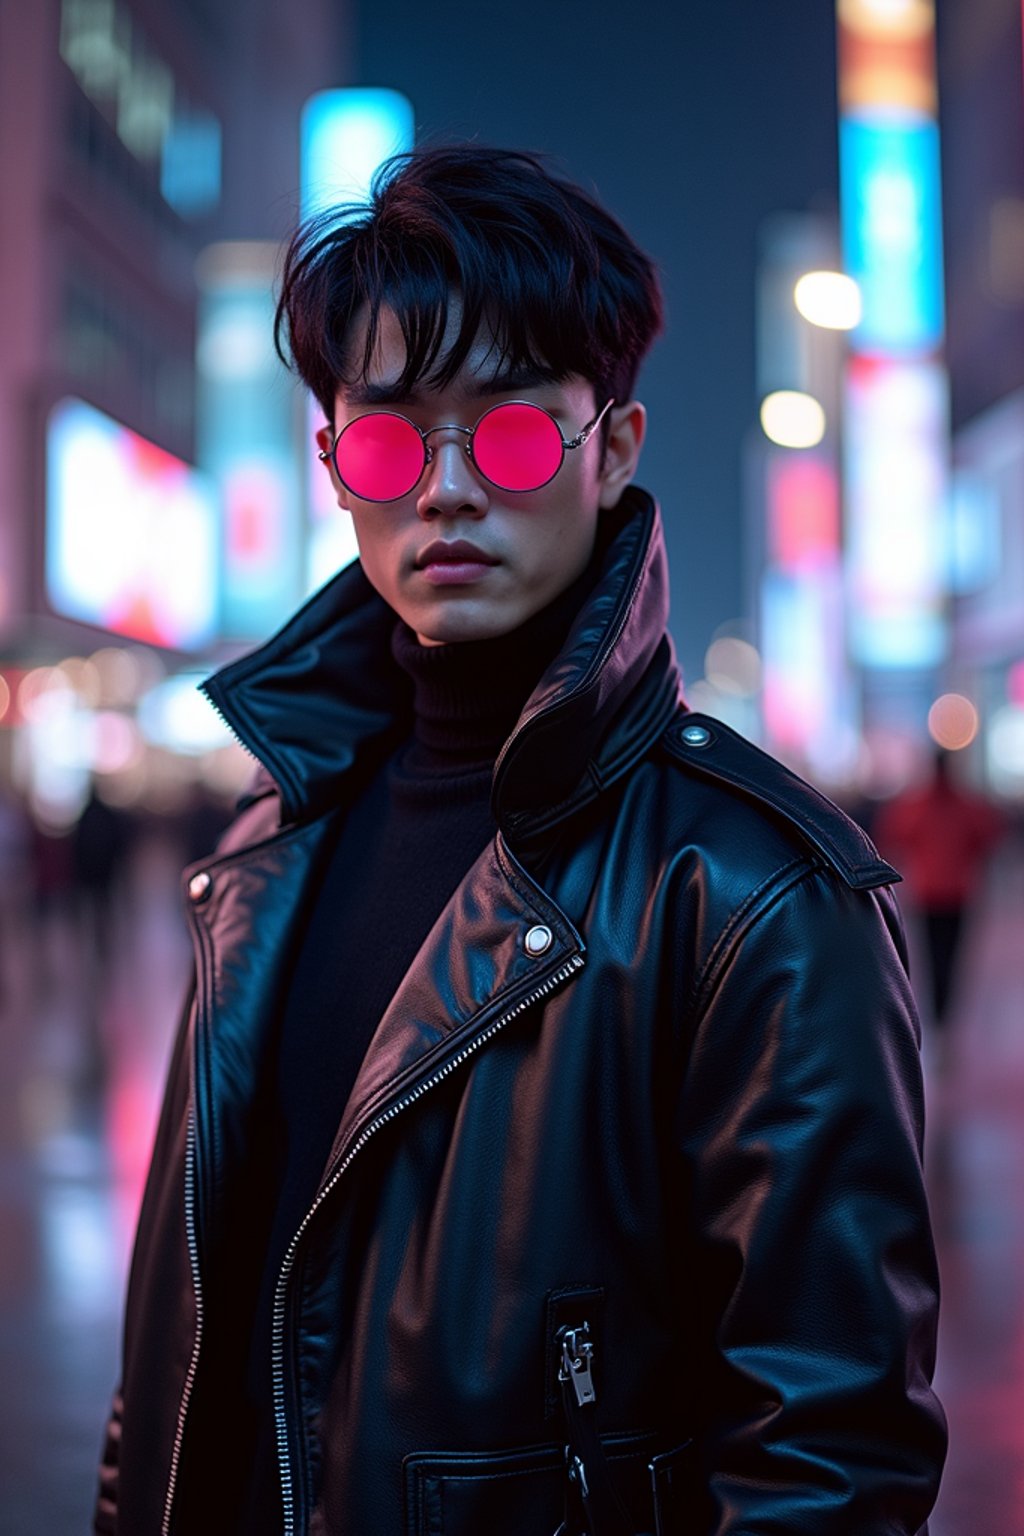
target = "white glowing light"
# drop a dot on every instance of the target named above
(828, 299)
(900, 13)
(1005, 750)
(900, 18)
(792, 419)
(177, 716)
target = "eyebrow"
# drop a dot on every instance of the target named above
(497, 384)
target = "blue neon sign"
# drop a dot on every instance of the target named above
(346, 135)
(891, 214)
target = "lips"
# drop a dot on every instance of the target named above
(453, 552)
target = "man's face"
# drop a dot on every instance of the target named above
(536, 542)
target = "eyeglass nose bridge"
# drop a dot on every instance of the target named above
(453, 426)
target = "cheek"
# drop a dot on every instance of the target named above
(569, 526)
(372, 546)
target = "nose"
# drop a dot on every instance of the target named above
(450, 483)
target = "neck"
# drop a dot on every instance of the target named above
(468, 695)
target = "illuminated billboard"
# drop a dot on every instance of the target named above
(245, 426)
(806, 699)
(896, 478)
(131, 532)
(803, 512)
(346, 135)
(896, 418)
(892, 244)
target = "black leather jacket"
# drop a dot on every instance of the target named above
(655, 1068)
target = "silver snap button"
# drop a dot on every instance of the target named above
(538, 939)
(199, 886)
(696, 736)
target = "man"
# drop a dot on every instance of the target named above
(542, 1143)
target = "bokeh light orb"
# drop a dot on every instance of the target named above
(733, 666)
(828, 299)
(953, 722)
(792, 419)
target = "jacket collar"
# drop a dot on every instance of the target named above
(324, 694)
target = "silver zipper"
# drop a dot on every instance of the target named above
(193, 1365)
(222, 717)
(577, 1363)
(574, 963)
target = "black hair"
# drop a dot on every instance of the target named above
(560, 284)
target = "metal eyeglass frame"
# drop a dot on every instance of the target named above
(582, 436)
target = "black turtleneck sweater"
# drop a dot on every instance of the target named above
(409, 836)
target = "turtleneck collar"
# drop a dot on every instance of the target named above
(324, 698)
(468, 695)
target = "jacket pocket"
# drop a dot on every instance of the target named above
(672, 1490)
(522, 1492)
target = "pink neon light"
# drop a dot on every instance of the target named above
(803, 511)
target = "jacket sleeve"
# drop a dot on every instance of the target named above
(172, 1116)
(800, 1123)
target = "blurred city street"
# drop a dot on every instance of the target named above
(826, 202)
(86, 1050)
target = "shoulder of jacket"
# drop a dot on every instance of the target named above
(714, 754)
(257, 815)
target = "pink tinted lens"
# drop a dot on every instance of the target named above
(380, 456)
(517, 446)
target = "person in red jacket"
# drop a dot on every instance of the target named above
(941, 837)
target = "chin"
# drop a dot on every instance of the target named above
(455, 628)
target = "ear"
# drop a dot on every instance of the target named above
(626, 432)
(325, 442)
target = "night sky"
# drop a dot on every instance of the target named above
(692, 121)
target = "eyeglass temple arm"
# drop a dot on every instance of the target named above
(585, 432)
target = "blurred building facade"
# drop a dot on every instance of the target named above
(981, 82)
(132, 136)
(915, 639)
(149, 167)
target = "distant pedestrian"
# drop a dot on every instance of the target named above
(99, 846)
(940, 836)
(15, 862)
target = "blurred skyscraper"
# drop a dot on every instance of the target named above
(981, 81)
(928, 617)
(132, 135)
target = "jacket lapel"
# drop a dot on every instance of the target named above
(324, 696)
(473, 969)
(243, 931)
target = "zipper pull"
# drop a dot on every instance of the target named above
(577, 1362)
